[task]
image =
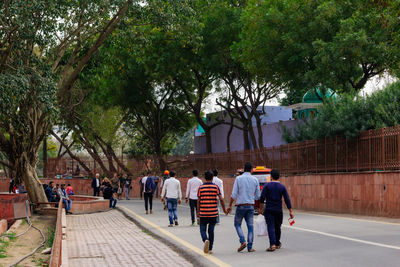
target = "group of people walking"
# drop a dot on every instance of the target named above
(203, 198)
(113, 188)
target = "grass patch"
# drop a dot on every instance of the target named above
(4, 242)
(50, 236)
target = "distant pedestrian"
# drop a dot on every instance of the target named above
(65, 198)
(165, 177)
(108, 192)
(148, 191)
(246, 189)
(156, 181)
(272, 193)
(172, 192)
(49, 192)
(191, 195)
(122, 181)
(128, 187)
(96, 183)
(207, 210)
(70, 190)
(11, 186)
(141, 186)
(115, 183)
(220, 184)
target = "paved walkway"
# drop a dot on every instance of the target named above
(110, 239)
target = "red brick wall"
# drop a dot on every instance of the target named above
(375, 194)
(354, 193)
(7, 204)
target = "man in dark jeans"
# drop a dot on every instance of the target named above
(246, 190)
(11, 187)
(273, 193)
(192, 189)
(148, 191)
(207, 210)
(96, 185)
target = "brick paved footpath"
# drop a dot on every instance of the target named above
(110, 239)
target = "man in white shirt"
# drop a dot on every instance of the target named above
(191, 193)
(220, 184)
(172, 191)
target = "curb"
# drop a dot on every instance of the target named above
(190, 256)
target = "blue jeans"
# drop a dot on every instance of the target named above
(67, 204)
(172, 204)
(247, 213)
(113, 202)
(203, 229)
(274, 221)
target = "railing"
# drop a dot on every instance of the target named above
(56, 250)
(372, 150)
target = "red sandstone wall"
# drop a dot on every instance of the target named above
(7, 203)
(376, 194)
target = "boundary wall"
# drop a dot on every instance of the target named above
(369, 193)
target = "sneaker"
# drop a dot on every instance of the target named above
(198, 221)
(210, 252)
(147, 212)
(176, 222)
(206, 246)
(170, 225)
(193, 224)
(151, 212)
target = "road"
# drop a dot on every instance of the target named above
(314, 240)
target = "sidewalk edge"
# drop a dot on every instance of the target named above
(192, 257)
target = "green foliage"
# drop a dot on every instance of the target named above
(338, 44)
(351, 115)
(184, 144)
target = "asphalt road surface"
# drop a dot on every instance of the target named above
(314, 240)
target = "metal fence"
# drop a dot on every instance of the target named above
(372, 150)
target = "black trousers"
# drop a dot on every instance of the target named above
(193, 208)
(148, 199)
(274, 221)
(96, 191)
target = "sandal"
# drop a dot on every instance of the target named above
(271, 248)
(242, 246)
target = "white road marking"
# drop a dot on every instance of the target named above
(343, 237)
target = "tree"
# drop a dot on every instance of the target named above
(243, 92)
(41, 57)
(351, 115)
(155, 110)
(337, 44)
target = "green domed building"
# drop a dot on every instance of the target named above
(311, 100)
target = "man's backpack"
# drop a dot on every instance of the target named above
(149, 186)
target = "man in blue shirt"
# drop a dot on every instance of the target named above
(246, 189)
(273, 193)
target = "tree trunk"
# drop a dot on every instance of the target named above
(252, 135)
(207, 132)
(120, 163)
(45, 157)
(228, 137)
(260, 132)
(246, 141)
(27, 171)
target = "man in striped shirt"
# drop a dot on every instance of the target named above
(207, 210)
